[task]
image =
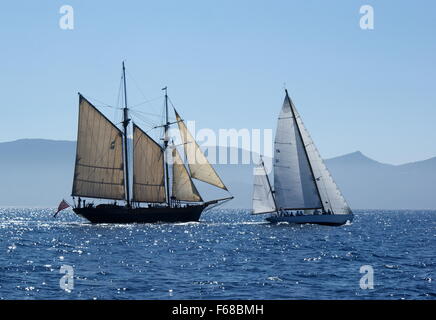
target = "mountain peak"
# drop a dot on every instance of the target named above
(354, 158)
(357, 154)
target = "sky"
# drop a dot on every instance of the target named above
(225, 64)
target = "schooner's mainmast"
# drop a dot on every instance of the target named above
(126, 121)
(166, 138)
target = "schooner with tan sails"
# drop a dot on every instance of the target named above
(103, 163)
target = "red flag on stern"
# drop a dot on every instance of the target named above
(63, 205)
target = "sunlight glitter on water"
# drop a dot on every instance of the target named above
(230, 254)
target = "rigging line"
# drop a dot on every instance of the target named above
(117, 103)
(144, 120)
(147, 113)
(102, 104)
(217, 205)
(145, 102)
(144, 124)
(172, 105)
(137, 86)
(139, 114)
(120, 90)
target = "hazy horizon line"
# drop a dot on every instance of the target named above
(325, 159)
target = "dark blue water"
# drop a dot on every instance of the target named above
(229, 255)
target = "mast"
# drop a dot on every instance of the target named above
(166, 126)
(126, 121)
(304, 148)
(269, 183)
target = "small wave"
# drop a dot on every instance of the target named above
(191, 223)
(214, 224)
(274, 279)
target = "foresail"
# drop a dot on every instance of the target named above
(99, 167)
(199, 166)
(148, 168)
(331, 196)
(183, 187)
(294, 183)
(263, 201)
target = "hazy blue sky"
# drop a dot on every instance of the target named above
(225, 63)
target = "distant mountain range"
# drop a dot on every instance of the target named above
(38, 173)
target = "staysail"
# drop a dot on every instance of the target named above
(330, 194)
(263, 198)
(294, 182)
(148, 168)
(199, 166)
(183, 187)
(99, 167)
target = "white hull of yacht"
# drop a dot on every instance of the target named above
(325, 219)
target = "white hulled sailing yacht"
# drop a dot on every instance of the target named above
(304, 190)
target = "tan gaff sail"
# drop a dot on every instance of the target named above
(99, 168)
(183, 187)
(148, 168)
(199, 166)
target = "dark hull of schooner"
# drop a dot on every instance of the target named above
(121, 214)
(325, 219)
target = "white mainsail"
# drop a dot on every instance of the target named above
(294, 183)
(99, 168)
(183, 187)
(148, 168)
(263, 201)
(331, 196)
(199, 166)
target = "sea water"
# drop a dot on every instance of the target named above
(230, 254)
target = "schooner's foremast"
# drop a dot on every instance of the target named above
(166, 138)
(126, 121)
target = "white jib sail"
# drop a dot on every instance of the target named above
(294, 183)
(99, 168)
(263, 201)
(331, 196)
